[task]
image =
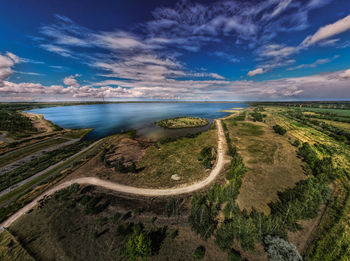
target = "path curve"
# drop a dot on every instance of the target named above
(133, 190)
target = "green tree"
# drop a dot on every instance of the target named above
(139, 246)
(279, 249)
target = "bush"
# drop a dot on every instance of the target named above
(139, 246)
(278, 249)
(199, 253)
(206, 157)
(203, 217)
(233, 255)
(279, 129)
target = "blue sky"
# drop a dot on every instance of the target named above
(174, 50)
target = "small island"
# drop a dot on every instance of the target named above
(183, 122)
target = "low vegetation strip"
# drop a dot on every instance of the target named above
(16, 155)
(30, 168)
(183, 122)
(11, 249)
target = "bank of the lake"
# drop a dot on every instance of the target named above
(108, 119)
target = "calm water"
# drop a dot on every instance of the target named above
(108, 119)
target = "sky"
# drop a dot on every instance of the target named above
(237, 50)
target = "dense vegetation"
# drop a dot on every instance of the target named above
(207, 156)
(298, 203)
(183, 122)
(16, 124)
(279, 129)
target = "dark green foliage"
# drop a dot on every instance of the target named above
(93, 205)
(279, 129)
(116, 217)
(240, 117)
(63, 194)
(206, 156)
(199, 253)
(231, 149)
(257, 116)
(241, 227)
(296, 143)
(171, 208)
(301, 202)
(138, 246)
(174, 234)
(15, 123)
(233, 255)
(321, 168)
(120, 166)
(203, 216)
(236, 170)
(278, 249)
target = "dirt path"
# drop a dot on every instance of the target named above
(133, 190)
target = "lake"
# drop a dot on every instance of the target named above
(108, 119)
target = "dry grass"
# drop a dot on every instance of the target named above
(11, 249)
(271, 161)
(61, 230)
(157, 164)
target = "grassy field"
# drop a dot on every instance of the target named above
(11, 249)
(158, 163)
(339, 112)
(11, 157)
(334, 226)
(66, 227)
(183, 122)
(271, 161)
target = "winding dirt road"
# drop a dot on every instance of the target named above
(133, 190)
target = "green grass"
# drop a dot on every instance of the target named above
(11, 249)
(16, 155)
(78, 134)
(177, 157)
(249, 129)
(335, 111)
(183, 122)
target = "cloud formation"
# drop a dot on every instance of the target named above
(328, 31)
(255, 72)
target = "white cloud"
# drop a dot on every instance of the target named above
(57, 49)
(7, 61)
(345, 74)
(71, 81)
(329, 42)
(314, 64)
(256, 72)
(328, 31)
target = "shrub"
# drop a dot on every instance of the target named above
(199, 253)
(139, 246)
(203, 217)
(278, 249)
(279, 129)
(233, 255)
(206, 156)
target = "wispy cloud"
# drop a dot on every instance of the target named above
(328, 31)
(314, 64)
